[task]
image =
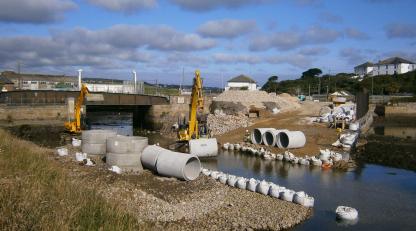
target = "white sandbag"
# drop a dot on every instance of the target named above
(76, 142)
(303, 199)
(206, 172)
(279, 157)
(62, 151)
(263, 187)
(346, 213)
(241, 183)
(115, 169)
(231, 180)
(251, 184)
(287, 195)
(225, 146)
(223, 178)
(79, 156)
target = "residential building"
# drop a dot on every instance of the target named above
(241, 82)
(364, 69)
(394, 65)
(6, 84)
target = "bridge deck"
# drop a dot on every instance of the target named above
(45, 97)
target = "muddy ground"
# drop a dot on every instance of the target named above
(318, 135)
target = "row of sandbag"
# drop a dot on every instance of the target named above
(262, 187)
(326, 156)
(281, 138)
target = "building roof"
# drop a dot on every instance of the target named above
(366, 64)
(241, 79)
(5, 80)
(394, 60)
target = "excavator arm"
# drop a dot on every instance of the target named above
(75, 126)
(197, 103)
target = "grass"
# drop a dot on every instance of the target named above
(37, 194)
(152, 90)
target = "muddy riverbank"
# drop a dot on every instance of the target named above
(170, 204)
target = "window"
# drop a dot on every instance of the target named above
(387, 66)
(34, 82)
(42, 82)
(25, 82)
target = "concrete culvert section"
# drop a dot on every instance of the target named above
(97, 136)
(94, 149)
(123, 160)
(291, 139)
(257, 135)
(203, 147)
(126, 144)
(171, 164)
(270, 137)
(150, 155)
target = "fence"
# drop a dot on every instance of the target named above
(383, 99)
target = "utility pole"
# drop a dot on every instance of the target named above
(183, 74)
(372, 85)
(135, 81)
(222, 82)
(309, 90)
(79, 78)
(319, 86)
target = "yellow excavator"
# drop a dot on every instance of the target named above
(192, 129)
(191, 132)
(75, 126)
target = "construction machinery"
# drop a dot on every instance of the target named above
(74, 126)
(192, 132)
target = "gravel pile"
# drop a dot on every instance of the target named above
(284, 102)
(203, 204)
(220, 123)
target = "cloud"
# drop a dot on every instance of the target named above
(36, 12)
(400, 30)
(236, 58)
(125, 6)
(112, 47)
(296, 60)
(292, 39)
(314, 51)
(353, 56)
(329, 17)
(226, 28)
(207, 5)
(356, 34)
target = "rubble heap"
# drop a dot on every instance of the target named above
(220, 123)
(284, 102)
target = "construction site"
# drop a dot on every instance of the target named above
(243, 159)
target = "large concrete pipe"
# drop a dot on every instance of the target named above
(180, 165)
(257, 135)
(270, 136)
(203, 147)
(97, 136)
(173, 164)
(291, 139)
(150, 155)
(126, 144)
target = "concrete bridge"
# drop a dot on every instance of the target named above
(49, 97)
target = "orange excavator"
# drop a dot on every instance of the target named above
(75, 125)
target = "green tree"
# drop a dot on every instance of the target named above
(311, 73)
(271, 84)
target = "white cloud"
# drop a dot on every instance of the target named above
(287, 40)
(30, 11)
(207, 5)
(126, 6)
(226, 28)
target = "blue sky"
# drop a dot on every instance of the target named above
(222, 38)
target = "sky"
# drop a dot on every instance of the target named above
(162, 39)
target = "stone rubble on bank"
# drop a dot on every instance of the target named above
(220, 123)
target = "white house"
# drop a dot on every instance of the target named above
(393, 66)
(241, 82)
(364, 69)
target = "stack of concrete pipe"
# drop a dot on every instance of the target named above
(94, 141)
(172, 164)
(125, 152)
(281, 138)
